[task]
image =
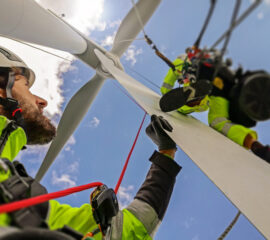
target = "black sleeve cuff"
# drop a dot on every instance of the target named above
(158, 185)
(166, 163)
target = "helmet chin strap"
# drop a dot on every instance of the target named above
(10, 83)
(10, 104)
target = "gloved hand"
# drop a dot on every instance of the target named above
(155, 130)
(262, 152)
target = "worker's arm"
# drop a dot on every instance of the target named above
(79, 218)
(142, 217)
(172, 76)
(218, 118)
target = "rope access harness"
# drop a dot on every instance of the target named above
(196, 51)
(46, 197)
(17, 205)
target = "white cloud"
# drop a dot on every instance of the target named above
(189, 222)
(48, 70)
(64, 180)
(84, 15)
(108, 41)
(115, 23)
(125, 196)
(38, 152)
(267, 2)
(196, 237)
(163, 48)
(71, 141)
(73, 167)
(131, 53)
(35, 149)
(77, 80)
(94, 122)
(260, 15)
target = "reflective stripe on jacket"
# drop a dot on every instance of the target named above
(80, 219)
(138, 221)
(218, 118)
(172, 76)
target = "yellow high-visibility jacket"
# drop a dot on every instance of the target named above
(218, 115)
(138, 221)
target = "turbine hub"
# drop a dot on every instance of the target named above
(116, 62)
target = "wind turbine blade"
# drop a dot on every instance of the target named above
(72, 116)
(133, 24)
(240, 175)
(88, 56)
(28, 21)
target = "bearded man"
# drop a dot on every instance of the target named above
(22, 122)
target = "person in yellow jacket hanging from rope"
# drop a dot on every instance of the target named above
(22, 122)
(236, 100)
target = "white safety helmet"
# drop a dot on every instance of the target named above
(182, 56)
(9, 59)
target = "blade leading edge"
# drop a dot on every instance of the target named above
(240, 175)
(131, 25)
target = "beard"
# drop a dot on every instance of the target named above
(38, 128)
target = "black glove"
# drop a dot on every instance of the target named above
(155, 131)
(262, 152)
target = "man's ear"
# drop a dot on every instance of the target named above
(3, 93)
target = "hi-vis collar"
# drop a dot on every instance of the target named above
(15, 138)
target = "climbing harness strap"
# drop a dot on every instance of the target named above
(9, 207)
(20, 186)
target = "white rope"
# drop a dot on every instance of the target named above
(37, 48)
(138, 16)
(130, 40)
(143, 77)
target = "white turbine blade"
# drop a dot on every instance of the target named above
(88, 56)
(240, 175)
(28, 21)
(133, 24)
(72, 116)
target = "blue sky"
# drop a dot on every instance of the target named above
(99, 147)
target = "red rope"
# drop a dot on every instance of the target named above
(9, 207)
(16, 110)
(128, 157)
